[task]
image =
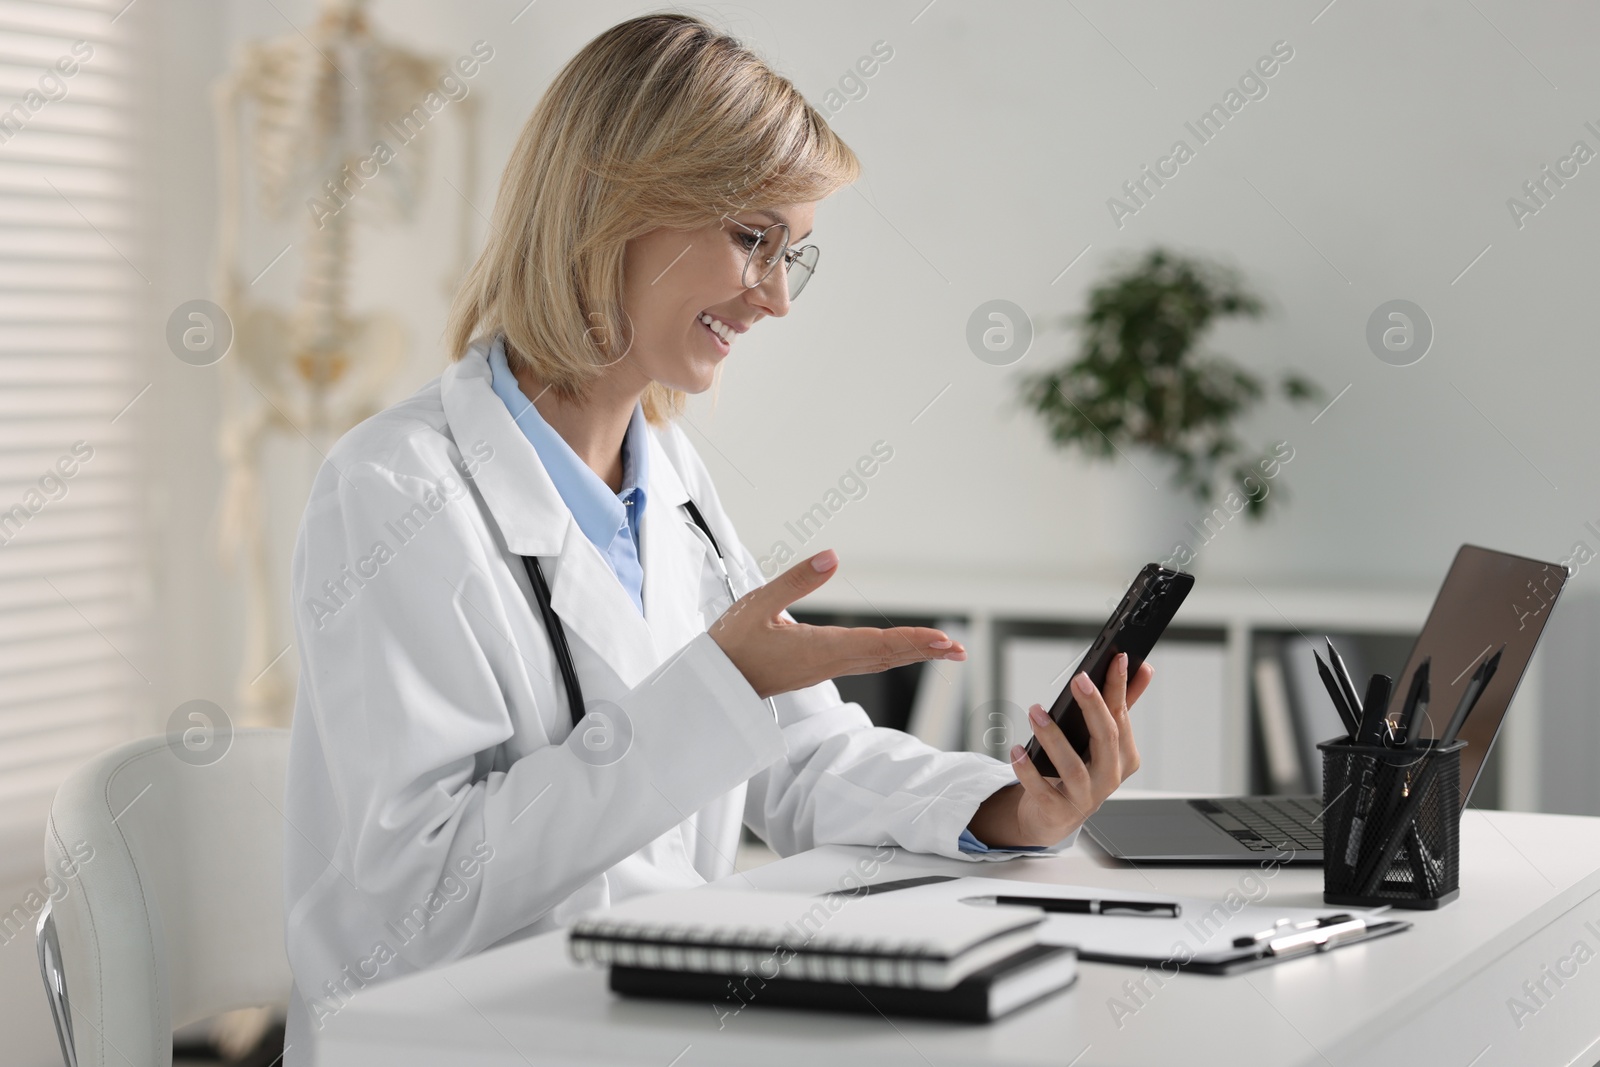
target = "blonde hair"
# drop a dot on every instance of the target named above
(662, 120)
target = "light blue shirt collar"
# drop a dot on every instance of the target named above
(600, 513)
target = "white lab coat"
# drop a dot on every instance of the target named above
(436, 805)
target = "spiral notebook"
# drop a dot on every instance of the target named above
(876, 941)
(984, 996)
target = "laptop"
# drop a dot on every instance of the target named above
(1488, 599)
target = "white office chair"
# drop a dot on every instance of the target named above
(176, 914)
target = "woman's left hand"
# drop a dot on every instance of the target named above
(1042, 811)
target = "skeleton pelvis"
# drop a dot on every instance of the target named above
(349, 368)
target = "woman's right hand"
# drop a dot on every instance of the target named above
(776, 655)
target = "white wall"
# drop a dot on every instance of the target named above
(992, 141)
(1378, 166)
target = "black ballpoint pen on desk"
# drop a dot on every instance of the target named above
(1140, 909)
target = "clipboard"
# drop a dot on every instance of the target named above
(1330, 933)
(1206, 936)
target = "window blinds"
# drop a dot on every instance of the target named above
(73, 285)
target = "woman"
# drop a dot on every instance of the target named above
(442, 799)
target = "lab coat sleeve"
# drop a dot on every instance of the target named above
(403, 683)
(969, 843)
(845, 781)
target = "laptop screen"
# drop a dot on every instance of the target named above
(1488, 599)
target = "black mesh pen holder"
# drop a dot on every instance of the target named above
(1391, 824)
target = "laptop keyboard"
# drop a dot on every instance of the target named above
(1267, 824)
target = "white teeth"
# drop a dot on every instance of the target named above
(718, 327)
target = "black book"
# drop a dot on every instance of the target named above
(983, 996)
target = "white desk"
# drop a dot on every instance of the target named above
(1435, 995)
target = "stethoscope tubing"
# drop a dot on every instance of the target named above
(558, 633)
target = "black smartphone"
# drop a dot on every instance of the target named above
(1135, 627)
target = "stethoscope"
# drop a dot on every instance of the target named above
(558, 632)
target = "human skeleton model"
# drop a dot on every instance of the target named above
(335, 110)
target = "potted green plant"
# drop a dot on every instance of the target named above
(1141, 380)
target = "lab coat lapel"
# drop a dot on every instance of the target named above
(535, 521)
(517, 491)
(673, 556)
(586, 594)
(596, 609)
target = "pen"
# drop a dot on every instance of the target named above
(1286, 941)
(1347, 714)
(1423, 872)
(1284, 926)
(1404, 830)
(889, 887)
(1421, 864)
(1370, 876)
(1135, 909)
(1372, 733)
(1475, 687)
(1326, 934)
(1373, 708)
(1365, 795)
(1404, 827)
(1416, 705)
(1343, 675)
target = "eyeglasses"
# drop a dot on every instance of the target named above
(771, 245)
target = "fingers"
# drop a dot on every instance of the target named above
(919, 637)
(1055, 806)
(1073, 790)
(804, 577)
(868, 649)
(1129, 751)
(1140, 682)
(1105, 750)
(1032, 781)
(1070, 768)
(1116, 687)
(1130, 756)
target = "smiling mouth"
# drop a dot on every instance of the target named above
(717, 339)
(724, 330)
